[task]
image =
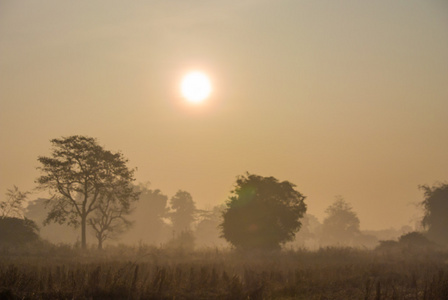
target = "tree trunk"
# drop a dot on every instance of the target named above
(83, 233)
(100, 243)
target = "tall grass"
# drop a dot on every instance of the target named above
(152, 273)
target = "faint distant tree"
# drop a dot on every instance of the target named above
(77, 173)
(435, 204)
(183, 211)
(109, 219)
(149, 216)
(207, 230)
(13, 205)
(262, 213)
(309, 232)
(56, 233)
(341, 226)
(183, 240)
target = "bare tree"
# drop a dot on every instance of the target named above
(109, 219)
(13, 205)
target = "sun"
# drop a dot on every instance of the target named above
(196, 87)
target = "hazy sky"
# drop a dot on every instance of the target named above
(339, 97)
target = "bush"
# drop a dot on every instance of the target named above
(15, 231)
(414, 239)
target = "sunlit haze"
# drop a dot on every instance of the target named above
(344, 98)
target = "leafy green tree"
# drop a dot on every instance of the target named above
(12, 206)
(77, 173)
(435, 204)
(183, 211)
(341, 226)
(262, 213)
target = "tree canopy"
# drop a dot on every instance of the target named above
(262, 213)
(183, 210)
(77, 173)
(435, 205)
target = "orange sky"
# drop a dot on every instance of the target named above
(341, 98)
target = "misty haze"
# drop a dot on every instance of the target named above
(224, 150)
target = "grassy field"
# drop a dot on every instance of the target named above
(61, 272)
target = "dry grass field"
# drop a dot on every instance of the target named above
(143, 272)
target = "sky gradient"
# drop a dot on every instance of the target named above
(342, 98)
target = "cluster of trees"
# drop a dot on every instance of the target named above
(159, 219)
(92, 188)
(340, 227)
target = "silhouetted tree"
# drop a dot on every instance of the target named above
(262, 213)
(183, 211)
(341, 226)
(13, 205)
(15, 231)
(78, 172)
(110, 217)
(435, 204)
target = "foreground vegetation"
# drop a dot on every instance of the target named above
(61, 272)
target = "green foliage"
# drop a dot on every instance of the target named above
(15, 231)
(78, 173)
(262, 213)
(435, 205)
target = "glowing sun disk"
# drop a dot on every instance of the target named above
(196, 87)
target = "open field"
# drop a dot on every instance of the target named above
(151, 273)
